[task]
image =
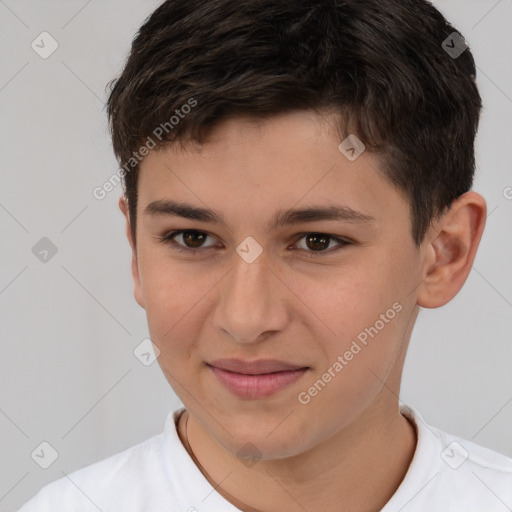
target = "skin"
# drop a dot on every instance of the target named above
(349, 447)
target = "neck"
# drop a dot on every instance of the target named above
(359, 468)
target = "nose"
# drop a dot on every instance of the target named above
(251, 305)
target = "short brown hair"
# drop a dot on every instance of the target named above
(380, 64)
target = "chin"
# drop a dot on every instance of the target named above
(251, 445)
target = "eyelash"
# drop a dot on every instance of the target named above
(168, 239)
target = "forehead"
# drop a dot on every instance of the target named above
(257, 167)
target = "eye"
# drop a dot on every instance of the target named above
(318, 243)
(191, 238)
(193, 241)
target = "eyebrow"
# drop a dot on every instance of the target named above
(166, 207)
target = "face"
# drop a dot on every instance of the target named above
(328, 297)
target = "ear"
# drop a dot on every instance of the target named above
(123, 206)
(450, 249)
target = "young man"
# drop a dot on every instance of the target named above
(297, 185)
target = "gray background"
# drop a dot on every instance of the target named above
(69, 326)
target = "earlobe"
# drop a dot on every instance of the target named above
(451, 250)
(137, 289)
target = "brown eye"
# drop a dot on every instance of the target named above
(191, 240)
(319, 243)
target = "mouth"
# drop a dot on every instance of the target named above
(255, 379)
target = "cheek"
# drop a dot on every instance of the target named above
(172, 298)
(364, 314)
(348, 301)
(359, 359)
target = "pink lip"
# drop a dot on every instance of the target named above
(256, 379)
(256, 367)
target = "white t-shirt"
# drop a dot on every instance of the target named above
(447, 474)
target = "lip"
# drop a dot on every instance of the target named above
(255, 379)
(256, 367)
